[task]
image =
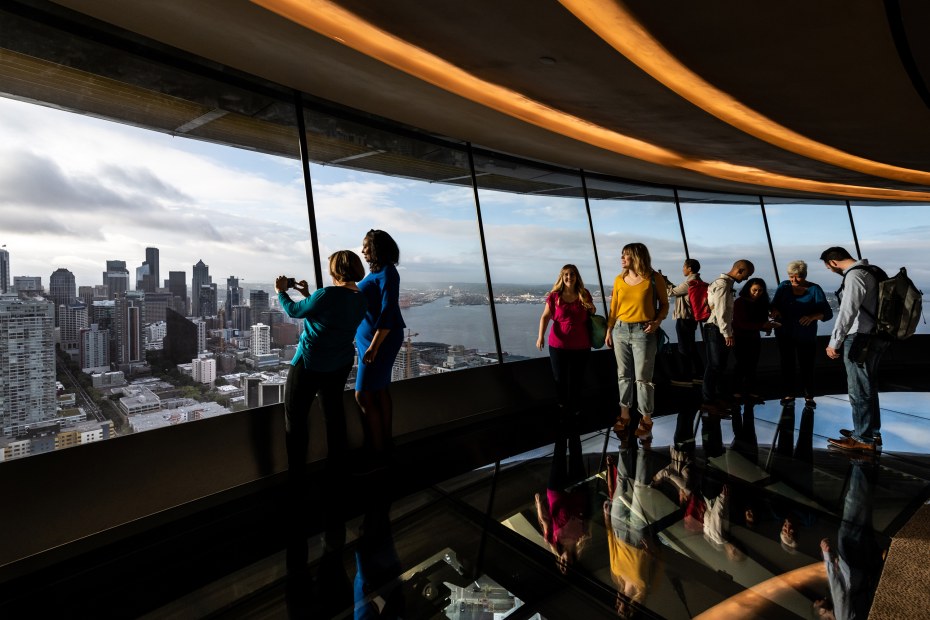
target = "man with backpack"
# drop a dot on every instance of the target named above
(853, 338)
(689, 294)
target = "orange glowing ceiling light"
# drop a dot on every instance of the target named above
(335, 22)
(613, 22)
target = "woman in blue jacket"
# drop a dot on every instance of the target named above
(797, 305)
(378, 339)
(324, 356)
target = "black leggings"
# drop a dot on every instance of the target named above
(299, 391)
(568, 368)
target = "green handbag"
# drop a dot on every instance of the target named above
(597, 328)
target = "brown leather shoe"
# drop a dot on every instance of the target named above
(845, 432)
(848, 443)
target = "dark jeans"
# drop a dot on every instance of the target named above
(686, 329)
(798, 354)
(568, 368)
(717, 355)
(746, 347)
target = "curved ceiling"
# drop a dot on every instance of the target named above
(828, 94)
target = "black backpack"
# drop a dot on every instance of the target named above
(900, 303)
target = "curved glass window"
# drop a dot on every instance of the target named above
(156, 256)
(802, 230)
(629, 214)
(443, 290)
(895, 236)
(535, 222)
(721, 229)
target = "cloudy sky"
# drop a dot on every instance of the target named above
(76, 191)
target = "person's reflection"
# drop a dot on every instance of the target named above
(853, 568)
(378, 590)
(793, 465)
(630, 536)
(679, 472)
(564, 513)
(321, 500)
(745, 442)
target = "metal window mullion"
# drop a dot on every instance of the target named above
(852, 225)
(484, 255)
(308, 187)
(768, 236)
(681, 222)
(597, 262)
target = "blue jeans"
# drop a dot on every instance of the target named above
(635, 351)
(717, 354)
(862, 383)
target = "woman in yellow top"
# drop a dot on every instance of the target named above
(638, 304)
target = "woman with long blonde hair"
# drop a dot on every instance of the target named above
(568, 306)
(638, 304)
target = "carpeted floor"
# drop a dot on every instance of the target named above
(904, 587)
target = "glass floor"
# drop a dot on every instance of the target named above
(748, 517)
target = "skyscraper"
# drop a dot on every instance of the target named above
(143, 278)
(181, 340)
(95, 347)
(72, 319)
(116, 278)
(27, 357)
(203, 369)
(258, 301)
(130, 317)
(62, 290)
(206, 300)
(233, 295)
(86, 295)
(201, 276)
(151, 260)
(5, 282)
(260, 344)
(177, 286)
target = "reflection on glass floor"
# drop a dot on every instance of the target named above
(735, 518)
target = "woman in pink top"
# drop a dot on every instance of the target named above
(568, 306)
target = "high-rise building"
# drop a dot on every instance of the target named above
(258, 301)
(143, 278)
(72, 319)
(177, 286)
(200, 278)
(407, 363)
(5, 282)
(27, 360)
(155, 306)
(62, 290)
(130, 317)
(206, 300)
(95, 348)
(116, 278)
(181, 338)
(241, 318)
(203, 369)
(28, 285)
(86, 295)
(260, 344)
(150, 285)
(103, 313)
(233, 295)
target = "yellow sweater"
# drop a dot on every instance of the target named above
(635, 304)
